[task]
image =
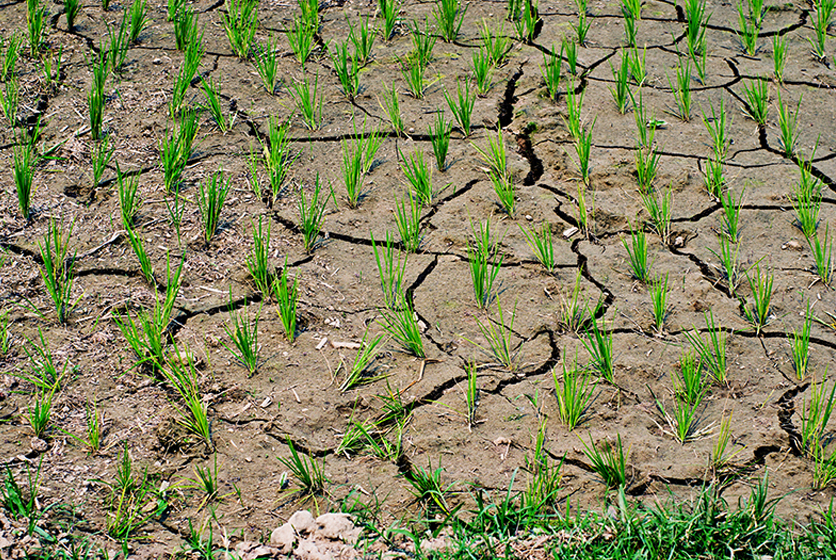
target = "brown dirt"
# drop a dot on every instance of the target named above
(294, 393)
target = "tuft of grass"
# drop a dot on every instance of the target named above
(574, 394)
(582, 27)
(637, 255)
(696, 20)
(821, 23)
(182, 376)
(72, 9)
(482, 72)
(815, 415)
(682, 91)
(788, 123)
(37, 25)
(571, 49)
(129, 200)
(631, 11)
(807, 199)
(258, 259)
(540, 242)
(213, 105)
(391, 106)
(24, 160)
(583, 151)
(823, 255)
(780, 51)
(747, 32)
(402, 325)
(100, 155)
(682, 419)
(496, 43)
(391, 267)
(575, 312)
(308, 102)
(408, 220)
(449, 17)
(309, 473)
(278, 157)
(712, 353)
(759, 314)
(419, 176)
(485, 263)
(800, 346)
(526, 24)
(598, 342)
(243, 331)
(647, 166)
(287, 296)
(182, 81)
(638, 71)
(210, 202)
(43, 371)
(422, 44)
(389, 11)
(176, 149)
(267, 64)
(145, 267)
(439, 133)
(756, 94)
(362, 37)
(498, 338)
(240, 22)
(359, 373)
(352, 172)
(96, 97)
(621, 91)
(689, 386)
(658, 291)
(11, 54)
(185, 28)
(412, 71)
(552, 63)
(138, 17)
(659, 207)
(311, 215)
(729, 263)
(574, 103)
(731, 215)
(608, 461)
(58, 268)
(347, 68)
(302, 41)
(10, 100)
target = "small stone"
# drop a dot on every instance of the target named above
(793, 245)
(283, 538)
(303, 521)
(156, 62)
(679, 241)
(39, 445)
(334, 525)
(411, 130)
(569, 232)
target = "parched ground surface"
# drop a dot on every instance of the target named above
(295, 393)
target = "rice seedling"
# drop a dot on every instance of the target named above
(526, 25)
(659, 207)
(637, 65)
(129, 200)
(39, 412)
(583, 150)
(359, 373)
(176, 208)
(540, 242)
(462, 106)
(747, 32)
(496, 44)
(391, 267)
(647, 165)
(759, 314)
(800, 346)
(815, 414)
(311, 216)
(258, 259)
(682, 91)
(43, 371)
(427, 489)
(93, 432)
(718, 131)
(485, 263)
(287, 296)
(780, 50)
(699, 57)
(11, 48)
(278, 157)
(544, 483)
(712, 353)
(266, 62)
(806, 199)
(582, 27)
(621, 92)
(173, 8)
(574, 312)
(729, 263)
(308, 103)
(419, 177)
(408, 220)
(96, 97)
(788, 124)
(449, 17)
(51, 70)
(514, 10)
(721, 454)
(302, 41)
(388, 10)
(498, 337)
(550, 70)
(821, 22)
(210, 202)
(574, 103)
(757, 10)
(213, 105)
(756, 94)
(176, 149)
(36, 23)
(24, 161)
(5, 334)
(637, 254)
(185, 28)
(715, 182)
(689, 386)
(182, 375)
(682, 419)
(413, 74)
(347, 69)
(645, 124)
(243, 331)
(362, 37)
(439, 133)
(585, 211)
(598, 342)
(130, 501)
(240, 22)
(369, 143)
(352, 172)
(731, 215)
(608, 461)
(118, 40)
(696, 20)
(422, 43)
(494, 155)
(482, 72)
(138, 20)
(391, 106)
(402, 325)
(58, 268)
(658, 291)
(145, 266)
(10, 100)
(823, 255)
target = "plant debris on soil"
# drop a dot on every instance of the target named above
(402, 260)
